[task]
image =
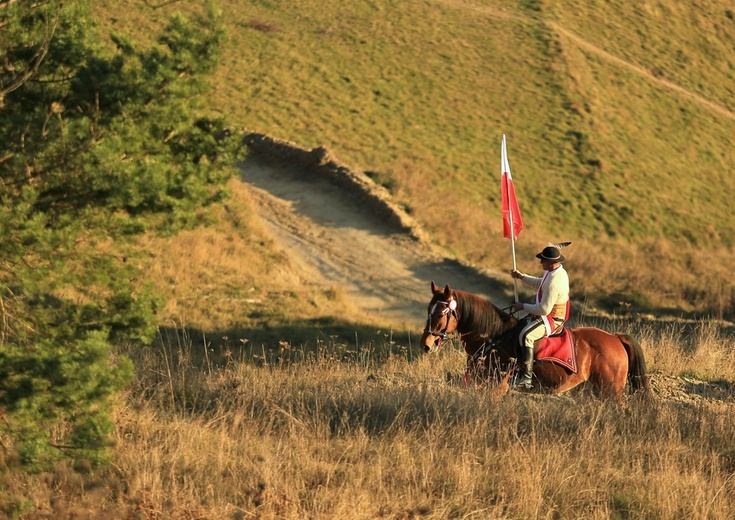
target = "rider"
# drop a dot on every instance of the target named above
(550, 310)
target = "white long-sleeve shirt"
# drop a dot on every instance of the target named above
(552, 293)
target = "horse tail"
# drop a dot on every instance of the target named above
(637, 374)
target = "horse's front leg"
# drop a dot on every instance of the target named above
(471, 376)
(487, 370)
(494, 369)
(500, 375)
(477, 370)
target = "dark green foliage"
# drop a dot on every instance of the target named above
(97, 147)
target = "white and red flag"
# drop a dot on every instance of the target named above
(508, 202)
(512, 220)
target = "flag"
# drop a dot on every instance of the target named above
(508, 201)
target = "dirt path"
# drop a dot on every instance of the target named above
(589, 47)
(338, 240)
(594, 49)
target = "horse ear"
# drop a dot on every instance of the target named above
(447, 290)
(434, 287)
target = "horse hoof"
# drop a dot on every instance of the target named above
(467, 380)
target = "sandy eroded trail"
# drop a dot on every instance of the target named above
(339, 241)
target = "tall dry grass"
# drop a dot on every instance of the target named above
(341, 433)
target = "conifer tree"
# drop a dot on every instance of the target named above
(97, 145)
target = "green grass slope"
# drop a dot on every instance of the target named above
(425, 89)
(619, 119)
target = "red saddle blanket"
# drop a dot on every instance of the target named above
(558, 349)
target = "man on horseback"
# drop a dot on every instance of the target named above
(549, 311)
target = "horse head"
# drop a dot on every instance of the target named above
(442, 320)
(477, 321)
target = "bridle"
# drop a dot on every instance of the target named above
(449, 311)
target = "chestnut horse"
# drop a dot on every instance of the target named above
(490, 339)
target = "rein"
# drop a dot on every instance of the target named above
(487, 347)
(509, 310)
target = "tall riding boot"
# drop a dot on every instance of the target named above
(525, 380)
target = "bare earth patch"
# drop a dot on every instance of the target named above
(337, 238)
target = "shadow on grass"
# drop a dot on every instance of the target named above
(297, 341)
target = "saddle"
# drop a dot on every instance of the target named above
(558, 348)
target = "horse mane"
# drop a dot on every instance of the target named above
(479, 316)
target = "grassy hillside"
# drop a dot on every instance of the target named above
(424, 90)
(619, 121)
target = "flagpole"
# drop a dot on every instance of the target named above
(513, 253)
(503, 159)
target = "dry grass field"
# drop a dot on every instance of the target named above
(338, 432)
(221, 427)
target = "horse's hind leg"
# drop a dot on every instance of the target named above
(609, 391)
(609, 385)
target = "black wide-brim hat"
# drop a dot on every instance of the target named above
(552, 254)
